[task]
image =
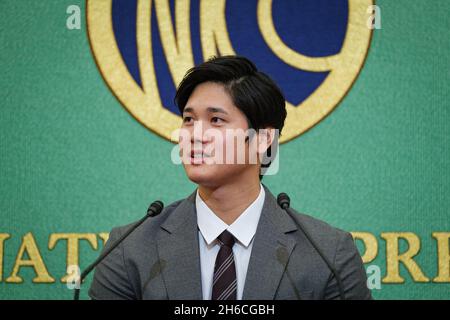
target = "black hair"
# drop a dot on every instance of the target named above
(252, 91)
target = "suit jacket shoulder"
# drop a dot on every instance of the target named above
(121, 274)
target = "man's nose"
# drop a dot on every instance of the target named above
(198, 133)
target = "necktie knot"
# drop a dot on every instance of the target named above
(226, 239)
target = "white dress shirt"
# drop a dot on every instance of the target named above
(243, 229)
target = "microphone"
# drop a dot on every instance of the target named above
(152, 211)
(282, 256)
(284, 202)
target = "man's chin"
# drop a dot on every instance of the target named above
(204, 177)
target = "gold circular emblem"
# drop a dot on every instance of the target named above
(144, 102)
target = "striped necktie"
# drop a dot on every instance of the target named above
(224, 280)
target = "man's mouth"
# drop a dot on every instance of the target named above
(199, 154)
(197, 157)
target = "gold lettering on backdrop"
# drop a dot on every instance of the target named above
(213, 29)
(443, 239)
(393, 258)
(370, 244)
(35, 260)
(72, 246)
(104, 236)
(177, 47)
(3, 237)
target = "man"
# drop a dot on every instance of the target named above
(230, 239)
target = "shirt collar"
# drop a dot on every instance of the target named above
(243, 228)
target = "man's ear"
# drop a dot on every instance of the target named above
(265, 139)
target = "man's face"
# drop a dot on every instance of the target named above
(213, 143)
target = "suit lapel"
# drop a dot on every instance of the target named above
(271, 250)
(178, 246)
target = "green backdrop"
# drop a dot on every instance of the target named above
(73, 160)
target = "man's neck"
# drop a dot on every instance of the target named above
(229, 201)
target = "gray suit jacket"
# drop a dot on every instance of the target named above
(161, 259)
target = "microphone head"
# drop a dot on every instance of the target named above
(283, 200)
(155, 208)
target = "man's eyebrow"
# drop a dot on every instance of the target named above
(209, 109)
(216, 110)
(188, 109)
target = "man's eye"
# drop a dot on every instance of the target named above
(187, 119)
(216, 120)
